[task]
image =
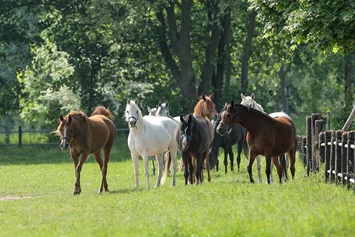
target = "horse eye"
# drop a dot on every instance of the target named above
(137, 111)
(127, 111)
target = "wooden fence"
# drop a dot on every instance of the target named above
(333, 148)
(33, 137)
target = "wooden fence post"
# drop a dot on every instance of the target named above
(332, 155)
(349, 120)
(309, 143)
(344, 155)
(19, 136)
(350, 158)
(328, 139)
(338, 149)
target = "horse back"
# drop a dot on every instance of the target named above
(102, 132)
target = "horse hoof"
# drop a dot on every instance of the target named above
(76, 193)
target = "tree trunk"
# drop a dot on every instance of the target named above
(282, 75)
(347, 84)
(228, 63)
(247, 52)
(211, 49)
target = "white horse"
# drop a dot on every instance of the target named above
(148, 136)
(250, 102)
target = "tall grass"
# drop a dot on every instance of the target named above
(228, 206)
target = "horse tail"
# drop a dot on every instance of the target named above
(101, 110)
(167, 166)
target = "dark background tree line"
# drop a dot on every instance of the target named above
(58, 56)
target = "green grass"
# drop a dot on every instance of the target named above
(228, 206)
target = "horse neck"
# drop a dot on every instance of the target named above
(249, 120)
(198, 109)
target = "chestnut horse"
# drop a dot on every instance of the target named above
(267, 136)
(194, 137)
(88, 135)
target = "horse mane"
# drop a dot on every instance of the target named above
(101, 110)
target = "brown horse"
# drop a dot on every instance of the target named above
(267, 136)
(205, 107)
(86, 135)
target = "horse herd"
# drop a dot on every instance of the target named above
(196, 136)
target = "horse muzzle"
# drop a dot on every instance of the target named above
(221, 130)
(64, 143)
(132, 122)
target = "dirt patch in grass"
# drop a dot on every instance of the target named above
(7, 198)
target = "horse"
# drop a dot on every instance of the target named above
(249, 101)
(236, 136)
(267, 136)
(160, 110)
(205, 107)
(194, 137)
(148, 136)
(88, 135)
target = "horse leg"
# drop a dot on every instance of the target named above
(275, 160)
(151, 158)
(184, 159)
(173, 155)
(231, 157)
(225, 161)
(79, 165)
(160, 169)
(146, 169)
(240, 149)
(136, 168)
(292, 156)
(250, 165)
(283, 166)
(103, 171)
(258, 167)
(192, 169)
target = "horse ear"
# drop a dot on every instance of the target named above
(69, 119)
(203, 96)
(159, 104)
(128, 101)
(182, 119)
(166, 104)
(190, 118)
(252, 96)
(242, 96)
(232, 103)
(149, 109)
(211, 96)
(136, 101)
(61, 117)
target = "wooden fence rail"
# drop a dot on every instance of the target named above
(20, 137)
(334, 148)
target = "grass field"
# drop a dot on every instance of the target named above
(36, 200)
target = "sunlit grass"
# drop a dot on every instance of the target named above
(228, 206)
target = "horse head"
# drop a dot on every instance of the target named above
(133, 113)
(186, 130)
(228, 119)
(206, 107)
(65, 131)
(162, 109)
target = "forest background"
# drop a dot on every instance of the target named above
(57, 56)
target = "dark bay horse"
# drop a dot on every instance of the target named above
(267, 136)
(88, 135)
(194, 137)
(236, 136)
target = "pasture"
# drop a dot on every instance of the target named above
(37, 200)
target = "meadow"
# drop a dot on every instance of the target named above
(36, 200)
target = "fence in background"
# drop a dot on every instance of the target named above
(334, 148)
(33, 137)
